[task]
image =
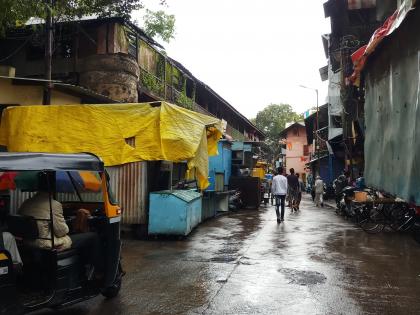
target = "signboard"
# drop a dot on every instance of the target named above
(308, 113)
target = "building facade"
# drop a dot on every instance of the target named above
(391, 79)
(352, 24)
(297, 149)
(115, 58)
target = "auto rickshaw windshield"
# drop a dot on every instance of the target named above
(69, 186)
(74, 186)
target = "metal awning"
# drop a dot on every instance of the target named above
(317, 159)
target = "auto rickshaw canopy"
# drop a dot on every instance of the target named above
(117, 133)
(23, 161)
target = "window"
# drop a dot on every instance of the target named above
(305, 150)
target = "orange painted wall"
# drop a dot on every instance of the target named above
(295, 158)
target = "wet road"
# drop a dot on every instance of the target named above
(244, 263)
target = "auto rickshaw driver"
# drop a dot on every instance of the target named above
(87, 243)
(58, 273)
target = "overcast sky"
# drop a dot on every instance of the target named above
(252, 52)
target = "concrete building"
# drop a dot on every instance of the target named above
(115, 58)
(297, 148)
(17, 91)
(352, 25)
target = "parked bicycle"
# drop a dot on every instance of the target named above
(375, 217)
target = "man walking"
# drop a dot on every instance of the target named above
(319, 192)
(300, 191)
(279, 190)
(293, 184)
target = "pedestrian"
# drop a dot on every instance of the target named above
(293, 184)
(279, 190)
(309, 183)
(319, 192)
(300, 190)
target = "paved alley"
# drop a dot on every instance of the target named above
(244, 263)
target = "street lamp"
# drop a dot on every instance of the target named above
(317, 117)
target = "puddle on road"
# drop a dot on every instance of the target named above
(224, 259)
(302, 277)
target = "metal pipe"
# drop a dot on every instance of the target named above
(48, 52)
(51, 209)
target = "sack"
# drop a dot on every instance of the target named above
(81, 224)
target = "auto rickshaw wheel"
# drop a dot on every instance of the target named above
(113, 290)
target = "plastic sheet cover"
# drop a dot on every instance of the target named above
(360, 56)
(392, 113)
(165, 132)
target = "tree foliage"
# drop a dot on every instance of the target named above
(16, 12)
(272, 120)
(158, 23)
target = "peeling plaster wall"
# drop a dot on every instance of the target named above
(114, 75)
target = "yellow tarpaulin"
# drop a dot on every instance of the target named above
(117, 133)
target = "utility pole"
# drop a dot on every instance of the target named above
(48, 52)
(346, 98)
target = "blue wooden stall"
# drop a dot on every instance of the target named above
(220, 164)
(174, 212)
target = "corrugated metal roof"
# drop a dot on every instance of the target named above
(77, 89)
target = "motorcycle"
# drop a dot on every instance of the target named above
(343, 201)
(235, 201)
(265, 193)
(329, 192)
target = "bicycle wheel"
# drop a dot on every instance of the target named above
(359, 214)
(372, 220)
(402, 218)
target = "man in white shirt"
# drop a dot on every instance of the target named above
(319, 191)
(279, 191)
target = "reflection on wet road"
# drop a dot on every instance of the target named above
(244, 263)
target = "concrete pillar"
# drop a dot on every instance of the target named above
(113, 75)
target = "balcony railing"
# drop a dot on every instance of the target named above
(159, 88)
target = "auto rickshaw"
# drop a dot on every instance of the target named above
(50, 277)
